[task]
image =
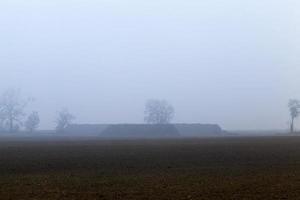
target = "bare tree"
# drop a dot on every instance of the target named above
(158, 112)
(11, 110)
(32, 122)
(63, 120)
(294, 106)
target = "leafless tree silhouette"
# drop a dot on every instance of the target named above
(12, 110)
(158, 112)
(294, 106)
(63, 120)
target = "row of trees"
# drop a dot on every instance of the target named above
(156, 112)
(13, 115)
(12, 108)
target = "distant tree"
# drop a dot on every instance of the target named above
(294, 106)
(63, 120)
(11, 110)
(32, 122)
(158, 112)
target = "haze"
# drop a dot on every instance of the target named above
(234, 63)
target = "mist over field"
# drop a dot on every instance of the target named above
(230, 63)
(152, 100)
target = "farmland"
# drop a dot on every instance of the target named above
(209, 168)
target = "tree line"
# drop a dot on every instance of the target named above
(13, 116)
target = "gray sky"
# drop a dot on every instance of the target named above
(235, 63)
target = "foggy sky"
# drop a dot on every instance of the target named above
(235, 63)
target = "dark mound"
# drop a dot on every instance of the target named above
(199, 130)
(85, 129)
(141, 131)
